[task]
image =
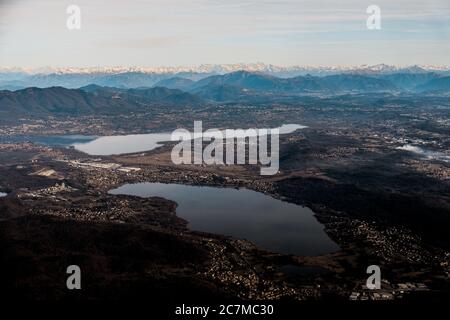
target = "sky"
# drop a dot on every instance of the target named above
(33, 33)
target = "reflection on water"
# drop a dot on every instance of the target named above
(271, 224)
(110, 145)
(61, 141)
(114, 145)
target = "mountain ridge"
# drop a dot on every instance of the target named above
(134, 77)
(89, 100)
(226, 68)
(239, 86)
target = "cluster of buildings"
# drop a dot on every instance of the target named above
(388, 291)
(101, 165)
(248, 283)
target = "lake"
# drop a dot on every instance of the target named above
(269, 223)
(54, 141)
(123, 144)
(110, 145)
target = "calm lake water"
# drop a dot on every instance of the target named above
(271, 224)
(110, 145)
(115, 145)
(56, 141)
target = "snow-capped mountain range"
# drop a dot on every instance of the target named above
(136, 77)
(227, 68)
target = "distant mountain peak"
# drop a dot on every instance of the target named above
(227, 68)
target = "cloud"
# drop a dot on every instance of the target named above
(114, 31)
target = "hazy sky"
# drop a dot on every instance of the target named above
(33, 33)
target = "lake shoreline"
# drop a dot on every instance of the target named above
(292, 229)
